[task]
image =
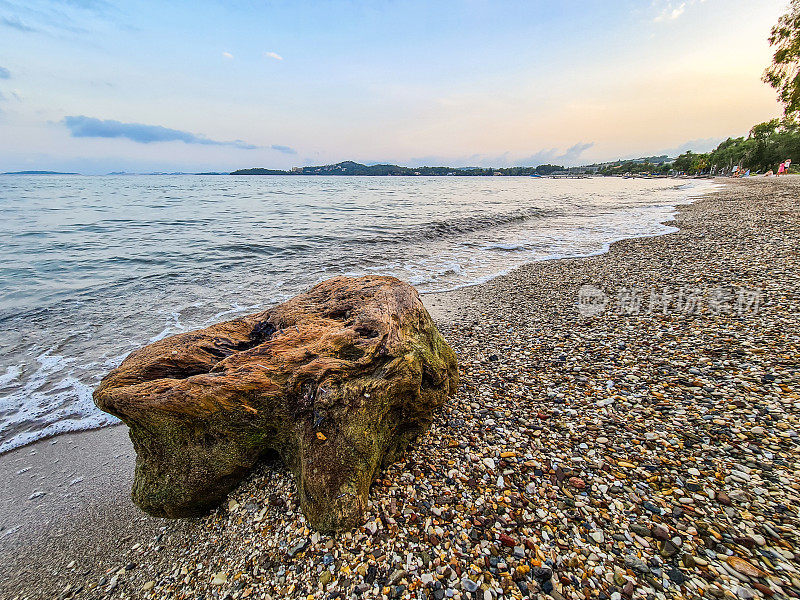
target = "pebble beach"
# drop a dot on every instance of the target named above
(626, 427)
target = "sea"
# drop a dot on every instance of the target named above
(93, 267)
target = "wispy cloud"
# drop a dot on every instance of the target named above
(698, 145)
(274, 55)
(5, 73)
(573, 153)
(669, 10)
(283, 149)
(15, 23)
(98, 6)
(89, 127)
(227, 55)
(568, 157)
(49, 17)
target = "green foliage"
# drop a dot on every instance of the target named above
(691, 163)
(546, 169)
(259, 171)
(636, 167)
(784, 73)
(767, 145)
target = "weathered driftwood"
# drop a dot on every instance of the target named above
(337, 380)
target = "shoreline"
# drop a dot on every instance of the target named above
(92, 525)
(606, 248)
(671, 205)
(57, 363)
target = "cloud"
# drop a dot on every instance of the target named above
(49, 17)
(15, 23)
(283, 149)
(81, 126)
(98, 6)
(671, 10)
(274, 55)
(698, 145)
(569, 157)
(551, 155)
(5, 73)
(227, 55)
(573, 153)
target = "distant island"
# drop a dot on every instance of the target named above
(37, 173)
(161, 173)
(353, 168)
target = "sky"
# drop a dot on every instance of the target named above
(96, 86)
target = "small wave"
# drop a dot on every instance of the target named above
(262, 249)
(237, 309)
(436, 230)
(12, 374)
(173, 328)
(67, 425)
(51, 401)
(510, 247)
(474, 223)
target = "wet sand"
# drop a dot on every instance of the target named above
(62, 500)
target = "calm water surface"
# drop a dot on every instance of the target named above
(93, 267)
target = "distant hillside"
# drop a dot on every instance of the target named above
(169, 173)
(260, 171)
(353, 168)
(38, 173)
(644, 164)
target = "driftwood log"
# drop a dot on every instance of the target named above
(337, 380)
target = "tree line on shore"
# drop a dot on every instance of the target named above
(766, 145)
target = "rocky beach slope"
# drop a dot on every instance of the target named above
(647, 448)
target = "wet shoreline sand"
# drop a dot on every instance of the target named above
(643, 450)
